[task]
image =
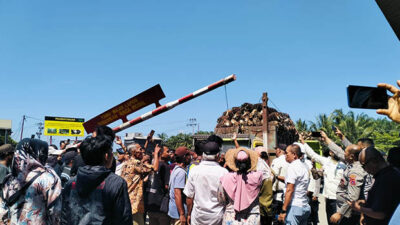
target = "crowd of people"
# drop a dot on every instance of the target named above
(85, 183)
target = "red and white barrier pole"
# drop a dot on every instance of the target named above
(172, 104)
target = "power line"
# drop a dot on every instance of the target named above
(274, 104)
(30, 117)
(162, 123)
(226, 98)
(192, 123)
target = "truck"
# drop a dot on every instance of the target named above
(139, 138)
(255, 125)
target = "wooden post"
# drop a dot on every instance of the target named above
(265, 119)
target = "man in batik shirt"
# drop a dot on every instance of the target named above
(134, 173)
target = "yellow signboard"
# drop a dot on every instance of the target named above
(63, 126)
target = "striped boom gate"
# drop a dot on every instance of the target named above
(170, 105)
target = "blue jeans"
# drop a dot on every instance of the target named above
(298, 215)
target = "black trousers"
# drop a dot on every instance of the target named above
(266, 220)
(354, 219)
(277, 208)
(330, 208)
(313, 218)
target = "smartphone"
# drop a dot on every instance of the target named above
(333, 128)
(367, 97)
(316, 134)
(151, 133)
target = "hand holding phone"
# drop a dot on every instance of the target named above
(150, 136)
(333, 128)
(339, 133)
(393, 109)
(316, 134)
(118, 140)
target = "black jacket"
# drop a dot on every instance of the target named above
(96, 196)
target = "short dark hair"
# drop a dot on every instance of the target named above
(367, 141)
(179, 159)
(105, 130)
(394, 157)
(264, 155)
(281, 147)
(93, 149)
(372, 154)
(198, 146)
(355, 150)
(3, 155)
(296, 150)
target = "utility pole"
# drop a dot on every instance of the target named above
(40, 127)
(192, 123)
(265, 119)
(22, 129)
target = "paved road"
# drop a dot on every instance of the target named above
(321, 211)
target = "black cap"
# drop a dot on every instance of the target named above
(215, 139)
(211, 148)
(69, 156)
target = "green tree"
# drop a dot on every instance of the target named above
(163, 136)
(9, 140)
(356, 126)
(302, 125)
(180, 140)
(384, 132)
(205, 132)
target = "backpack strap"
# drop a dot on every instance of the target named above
(14, 198)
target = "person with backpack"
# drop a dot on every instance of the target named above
(31, 193)
(96, 187)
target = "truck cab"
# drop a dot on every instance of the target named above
(140, 139)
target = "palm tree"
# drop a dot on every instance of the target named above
(323, 122)
(385, 133)
(163, 136)
(302, 125)
(356, 126)
(353, 126)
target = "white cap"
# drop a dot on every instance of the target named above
(71, 146)
(53, 151)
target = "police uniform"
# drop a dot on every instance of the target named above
(349, 189)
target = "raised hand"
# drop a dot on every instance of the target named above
(393, 110)
(118, 140)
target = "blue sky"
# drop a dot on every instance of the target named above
(79, 58)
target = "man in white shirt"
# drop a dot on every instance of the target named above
(333, 172)
(279, 167)
(295, 209)
(202, 186)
